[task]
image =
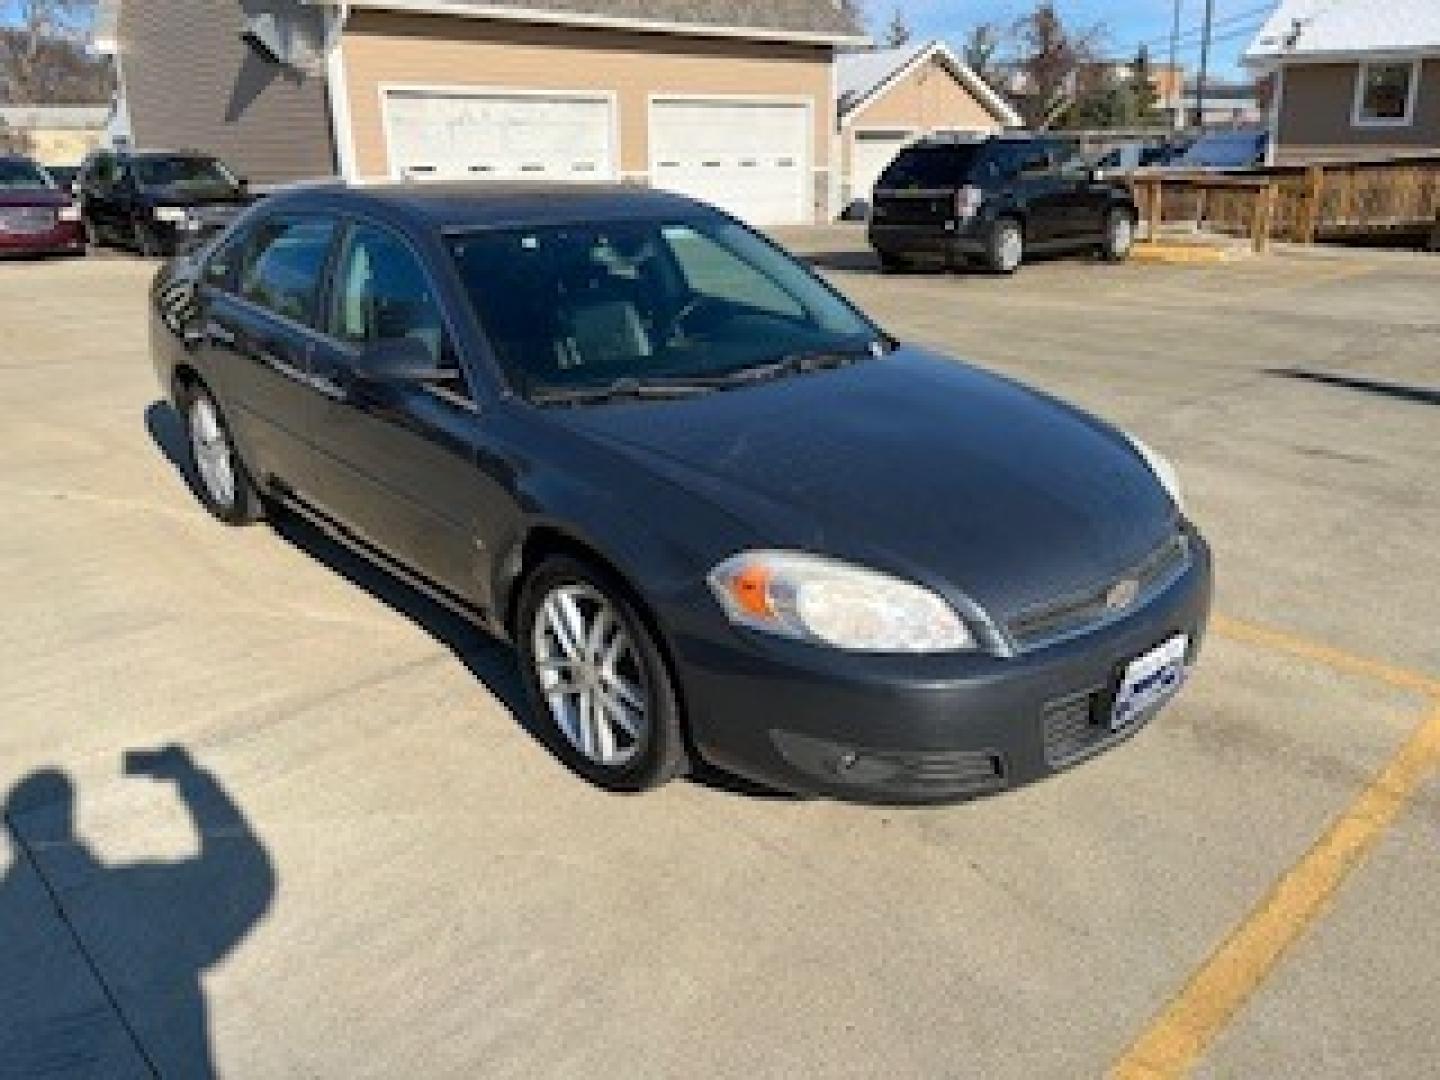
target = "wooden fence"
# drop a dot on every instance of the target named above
(1303, 204)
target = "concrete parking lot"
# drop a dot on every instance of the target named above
(363, 865)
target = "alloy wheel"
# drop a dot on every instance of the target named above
(590, 675)
(1011, 248)
(214, 460)
(1122, 234)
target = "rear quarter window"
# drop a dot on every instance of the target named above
(930, 167)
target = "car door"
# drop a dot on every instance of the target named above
(97, 196)
(1038, 190)
(398, 459)
(1087, 199)
(262, 298)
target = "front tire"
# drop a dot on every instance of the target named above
(596, 678)
(1005, 246)
(1119, 236)
(218, 476)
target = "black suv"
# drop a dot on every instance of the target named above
(999, 199)
(157, 201)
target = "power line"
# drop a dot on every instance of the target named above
(1218, 24)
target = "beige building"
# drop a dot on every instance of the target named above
(57, 134)
(1349, 84)
(731, 101)
(888, 99)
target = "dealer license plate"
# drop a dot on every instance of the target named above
(1149, 681)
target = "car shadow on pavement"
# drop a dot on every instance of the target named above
(104, 963)
(489, 660)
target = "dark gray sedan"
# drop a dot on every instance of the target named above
(722, 515)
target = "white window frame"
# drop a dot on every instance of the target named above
(1357, 110)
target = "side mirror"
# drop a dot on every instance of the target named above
(400, 360)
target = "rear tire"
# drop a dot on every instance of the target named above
(596, 679)
(893, 264)
(1119, 239)
(1005, 246)
(218, 476)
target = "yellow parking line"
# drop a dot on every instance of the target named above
(1279, 640)
(1186, 1027)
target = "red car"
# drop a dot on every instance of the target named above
(35, 216)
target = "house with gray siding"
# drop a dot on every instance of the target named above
(730, 101)
(1351, 79)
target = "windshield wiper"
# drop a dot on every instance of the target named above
(626, 387)
(797, 363)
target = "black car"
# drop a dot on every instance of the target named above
(996, 199)
(722, 515)
(157, 201)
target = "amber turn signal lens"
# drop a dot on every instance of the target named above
(751, 589)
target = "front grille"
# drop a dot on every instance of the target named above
(27, 219)
(1083, 611)
(941, 770)
(1073, 728)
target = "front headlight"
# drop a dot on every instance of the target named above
(173, 214)
(820, 600)
(1162, 468)
(68, 213)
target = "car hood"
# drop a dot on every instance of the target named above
(919, 464)
(33, 197)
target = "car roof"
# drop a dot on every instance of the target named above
(479, 205)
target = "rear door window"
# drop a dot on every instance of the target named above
(921, 167)
(282, 265)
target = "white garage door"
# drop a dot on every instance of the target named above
(465, 135)
(750, 158)
(871, 153)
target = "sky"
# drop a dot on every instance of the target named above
(1127, 23)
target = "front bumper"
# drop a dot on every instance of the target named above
(930, 728)
(65, 237)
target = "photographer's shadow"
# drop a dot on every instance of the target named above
(105, 978)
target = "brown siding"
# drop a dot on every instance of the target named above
(1315, 113)
(381, 48)
(191, 82)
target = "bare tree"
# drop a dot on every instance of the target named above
(897, 30)
(1051, 56)
(981, 52)
(44, 53)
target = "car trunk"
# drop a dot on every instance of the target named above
(918, 188)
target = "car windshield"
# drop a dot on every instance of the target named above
(661, 301)
(200, 177)
(23, 174)
(930, 167)
(1226, 151)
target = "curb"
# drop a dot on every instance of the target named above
(1179, 254)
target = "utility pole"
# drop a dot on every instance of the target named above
(1204, 64)
(1177, 80)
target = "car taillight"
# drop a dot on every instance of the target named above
(967, 202)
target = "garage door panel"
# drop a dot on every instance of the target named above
(750, 158)
(871, 153)
(460, 135)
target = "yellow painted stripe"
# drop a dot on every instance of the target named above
(1279, 640)
(1189, 1024)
